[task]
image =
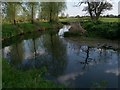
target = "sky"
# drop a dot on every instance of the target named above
(73, 11)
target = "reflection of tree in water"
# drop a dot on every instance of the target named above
(21, 54)
(49, 52)
(102, 55)
(105, 54)
(16, 53)
(57, 51)
(34, 48)
(74, 48)
(87, 59)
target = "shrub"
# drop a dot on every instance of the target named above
(108, 30)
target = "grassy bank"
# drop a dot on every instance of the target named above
(105, 28)
(13, 78)
(109, 30)
(10, 30)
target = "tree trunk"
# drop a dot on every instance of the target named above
(90, 11)
(97, 17)
(50, 19)
(14, 22)
(32, 21)
(35, 53)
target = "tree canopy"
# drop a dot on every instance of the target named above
(50, 10)
(95, 9)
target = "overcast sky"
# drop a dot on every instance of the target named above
(73, 11)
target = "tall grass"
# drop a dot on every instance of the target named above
(13, 78)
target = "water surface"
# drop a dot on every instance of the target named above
(76, 64)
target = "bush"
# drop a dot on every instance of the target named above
(108, 30)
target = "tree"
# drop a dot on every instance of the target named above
(11, 10)
(67, 15)
(95, 9)
(3, 9)
(30, 8)
(62, 14)
(52, 9)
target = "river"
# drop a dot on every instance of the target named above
(73, 62)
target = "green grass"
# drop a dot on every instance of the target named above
(109, 30)
(105, 27)
(104, 19)
(69, 20)
(13, 78)
(45, 24)
(9, 30)
(109, 19)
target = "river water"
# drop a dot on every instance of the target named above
(73, 62)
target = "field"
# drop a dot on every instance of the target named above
(110, 19)
(70, 19)
(104, 19)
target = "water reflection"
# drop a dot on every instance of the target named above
(57, 51)
(87, 58)
(67, 62)
(45, 51)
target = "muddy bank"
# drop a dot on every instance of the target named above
(96, 42)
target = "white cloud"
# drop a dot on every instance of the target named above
(67, 77)
(114, 71)
(74, 11)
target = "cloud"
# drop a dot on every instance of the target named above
(72, 76)
(115, 71)
(74, 11)
(119, 7)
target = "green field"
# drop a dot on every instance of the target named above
(70, 20)
(110, 19)
(104, 19)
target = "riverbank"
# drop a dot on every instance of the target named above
(108, 30)
(10, 30)
(13, 78)
(96, 42)
(105, 28)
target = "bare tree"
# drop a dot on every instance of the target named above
(95, 9)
